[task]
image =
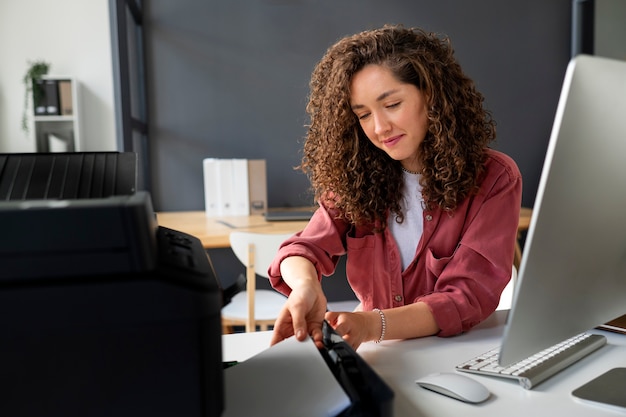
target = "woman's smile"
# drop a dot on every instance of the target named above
(392, 141)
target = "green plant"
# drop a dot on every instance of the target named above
(35, 71)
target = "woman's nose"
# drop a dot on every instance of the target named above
(381, 124)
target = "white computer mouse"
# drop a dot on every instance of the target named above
(455, 385)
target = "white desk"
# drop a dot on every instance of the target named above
(399, 363)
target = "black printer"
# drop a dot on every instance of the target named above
(102, 312)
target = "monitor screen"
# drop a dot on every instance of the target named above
(572, 275)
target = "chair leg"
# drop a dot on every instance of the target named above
(250, 288)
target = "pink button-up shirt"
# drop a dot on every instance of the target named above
(462, 263)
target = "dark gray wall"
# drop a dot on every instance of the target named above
(230, 79)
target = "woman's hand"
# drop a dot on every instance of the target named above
(303, 313)
(356, 327)
(406, 322)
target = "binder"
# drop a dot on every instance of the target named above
(66, 105)
(39, 97)
(240, 195)
(234, 187)
(257, 186)
(212, 199)
(52, 97)
(225, 189)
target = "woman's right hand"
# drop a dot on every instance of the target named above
(303, 312)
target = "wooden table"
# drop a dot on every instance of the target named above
(213, 232)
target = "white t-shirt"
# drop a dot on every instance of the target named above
(408, 233)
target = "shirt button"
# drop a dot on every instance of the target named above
(398, 298)
(429, 217)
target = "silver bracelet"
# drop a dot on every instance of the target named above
(383, 325)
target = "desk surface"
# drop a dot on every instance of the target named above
(399, 363)
(213, 232)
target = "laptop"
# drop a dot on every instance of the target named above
(286, 214)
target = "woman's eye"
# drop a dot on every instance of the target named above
(363, 116)
(392, 105)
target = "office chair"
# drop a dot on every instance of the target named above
(254, 307)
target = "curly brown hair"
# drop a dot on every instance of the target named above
(347, 172)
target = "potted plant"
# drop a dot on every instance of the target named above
(35, 71)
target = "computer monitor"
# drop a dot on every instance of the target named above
(572, 274)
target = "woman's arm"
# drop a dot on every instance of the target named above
(304, 310)
(406, 322)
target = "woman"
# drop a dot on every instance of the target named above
(398, 158)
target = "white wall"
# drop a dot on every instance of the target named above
(74, 37)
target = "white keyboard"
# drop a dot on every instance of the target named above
(539, 367)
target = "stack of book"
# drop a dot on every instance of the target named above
(53, 97)
(234, 187)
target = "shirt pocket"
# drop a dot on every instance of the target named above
(360, 265)
(435, 265)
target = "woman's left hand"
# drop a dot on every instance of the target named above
(356, 327)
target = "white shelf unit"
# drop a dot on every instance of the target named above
(58, 132)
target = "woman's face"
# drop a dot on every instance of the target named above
(391, 113)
